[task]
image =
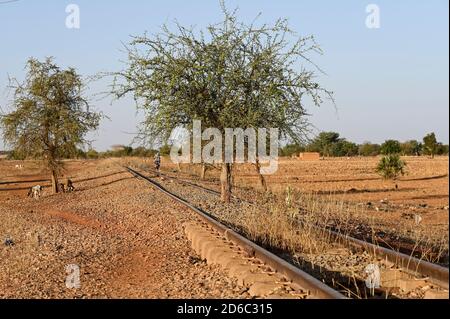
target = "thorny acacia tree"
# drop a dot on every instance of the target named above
(50, 117)
(232, 75)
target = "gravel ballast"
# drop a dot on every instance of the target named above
(126, 238)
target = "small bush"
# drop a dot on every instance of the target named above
(391, 167)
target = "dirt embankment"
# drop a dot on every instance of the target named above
(126, 239)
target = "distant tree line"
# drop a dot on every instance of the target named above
(330, 144)
(126, 151)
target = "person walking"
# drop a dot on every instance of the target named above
(157, 161)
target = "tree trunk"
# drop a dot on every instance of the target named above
(203, 172)
(54, 182)
(262, 180)
(225, 181)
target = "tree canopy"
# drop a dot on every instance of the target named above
(430, 144)
(369, 149)
(49, 116)
(331, 144)
(411, 147)
(231, 75)
(391, 147)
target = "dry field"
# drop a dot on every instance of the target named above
(424, 190)
(350, 196)
(426, 181)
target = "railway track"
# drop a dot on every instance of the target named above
(416, 268)
(21, 185)
(303, 279)
(416, 251)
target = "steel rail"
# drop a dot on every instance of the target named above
(317, 288)
(208, 190)
(432, 272)
(25, 182)
(48, 180)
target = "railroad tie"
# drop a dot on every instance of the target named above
(249, 272)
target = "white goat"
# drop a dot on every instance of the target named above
(35, 192)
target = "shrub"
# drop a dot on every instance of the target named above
(391, 166)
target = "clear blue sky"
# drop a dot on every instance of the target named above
(390, 82)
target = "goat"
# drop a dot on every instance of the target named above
(69, 186)
(35, 191)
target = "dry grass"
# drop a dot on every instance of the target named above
(291, 223)
(274, 228)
